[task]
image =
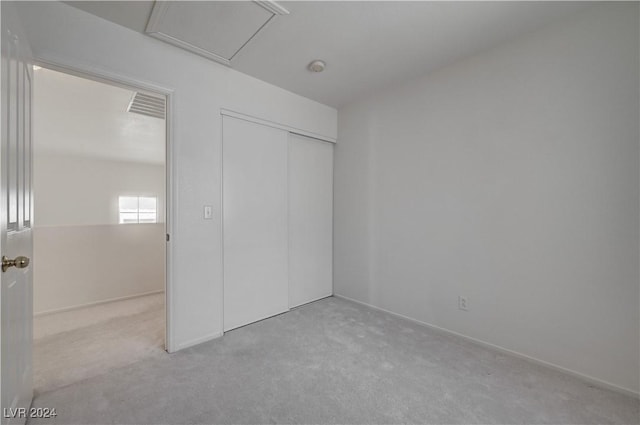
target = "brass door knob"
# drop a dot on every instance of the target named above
(19, 262)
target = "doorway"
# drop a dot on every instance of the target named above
(100, 226)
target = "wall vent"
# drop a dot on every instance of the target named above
(145, 104)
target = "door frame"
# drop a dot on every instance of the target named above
(130, 83)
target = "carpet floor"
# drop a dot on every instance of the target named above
(75, 345)
(333, 361)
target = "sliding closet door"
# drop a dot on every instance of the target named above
(310, 219)
(255, 222)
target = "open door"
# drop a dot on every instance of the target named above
(16, 243)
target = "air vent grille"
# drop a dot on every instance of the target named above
(145, 104)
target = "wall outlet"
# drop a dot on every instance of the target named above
(462, 303)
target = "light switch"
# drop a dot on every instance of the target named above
(208, 212)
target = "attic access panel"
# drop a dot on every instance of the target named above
(217, 30)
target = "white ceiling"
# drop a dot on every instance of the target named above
(80, 117)
(366, 45)
(229, 25)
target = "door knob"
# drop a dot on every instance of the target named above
(19, 262)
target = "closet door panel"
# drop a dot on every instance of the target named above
(255, 222)
(310, 219)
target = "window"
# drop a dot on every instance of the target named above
(138, 209)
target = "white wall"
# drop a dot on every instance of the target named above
(80, 265)
(510, 178)
(62, 33)
(74, 190)
(81, 254)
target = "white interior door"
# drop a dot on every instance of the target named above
(255, 222)
(16, 244)
(310, 219)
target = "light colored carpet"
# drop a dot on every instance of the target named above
(333, 361)
(72, 346)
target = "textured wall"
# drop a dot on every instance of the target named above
(510, 178)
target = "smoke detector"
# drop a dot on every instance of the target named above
(317, 66)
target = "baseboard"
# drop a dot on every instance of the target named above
(312, 301)
(590, 379)
(91, 304)
(197, 341)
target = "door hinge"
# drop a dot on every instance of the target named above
(167, 237)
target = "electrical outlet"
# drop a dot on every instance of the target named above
(462, 303)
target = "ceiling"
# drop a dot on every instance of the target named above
(366, 45)
(80, 117)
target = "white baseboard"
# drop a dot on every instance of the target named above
(595, 381)
(197, 341)
(309, 302)
(91, 304)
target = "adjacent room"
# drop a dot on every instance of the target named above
(99, 235)
(327, 212)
